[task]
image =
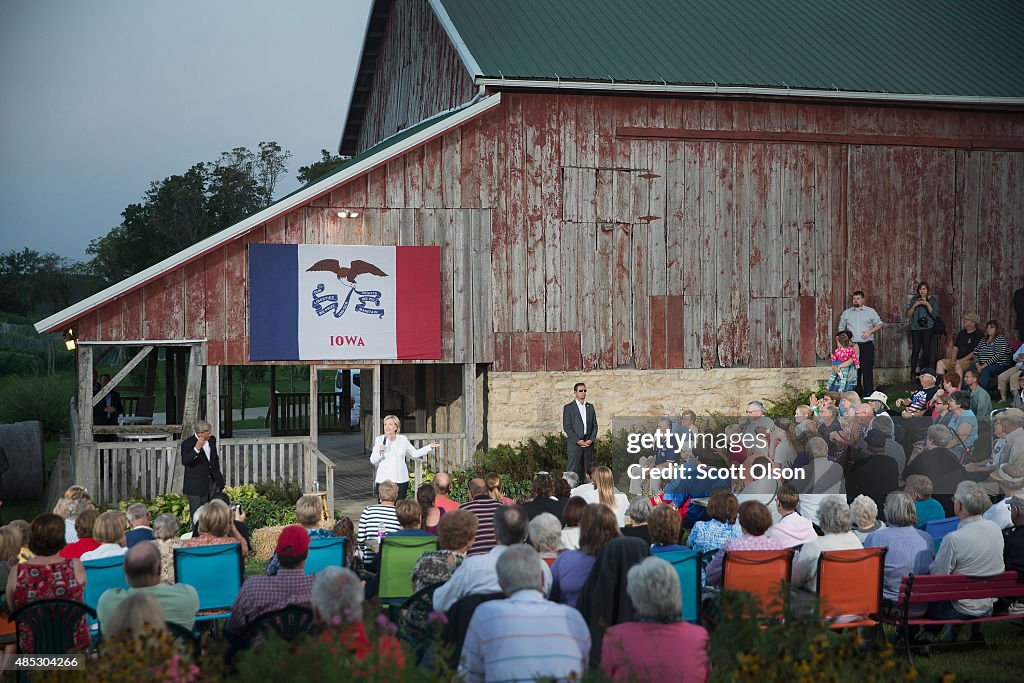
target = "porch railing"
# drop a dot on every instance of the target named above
(289, 414)
(149, 469)
(450, 455)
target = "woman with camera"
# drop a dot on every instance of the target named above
(922, 309)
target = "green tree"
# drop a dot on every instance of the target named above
(318, 169)
(180, 210)
(32, 281)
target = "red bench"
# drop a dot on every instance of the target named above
(917, 590)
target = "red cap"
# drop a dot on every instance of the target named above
(293, 542)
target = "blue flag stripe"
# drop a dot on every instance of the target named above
(273, 302)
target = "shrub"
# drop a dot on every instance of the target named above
(785, 406)
(284, 491)
(173, 503)
(46, 399)
(261, 511)
(798, 647)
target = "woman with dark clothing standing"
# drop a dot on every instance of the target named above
(922, 309)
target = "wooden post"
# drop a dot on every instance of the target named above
(85, 455)
(180, 386)
(421, 398)
(190, 408)
(468, 412)
(170, 403)
(213, 398)
(376, 424)
(314, 409)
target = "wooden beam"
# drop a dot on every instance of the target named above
(190, 406)
(137, 429)
(788, 137)
(421, 397)
(469, 412)
(84, 394)
(314, 409)
(376, 426)
(213, 398)
(129, 366)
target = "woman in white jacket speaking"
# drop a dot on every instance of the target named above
(389, 454)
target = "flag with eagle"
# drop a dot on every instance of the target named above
(340, 302)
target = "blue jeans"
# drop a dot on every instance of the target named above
(990, 372)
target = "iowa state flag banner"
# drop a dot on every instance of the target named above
(313, 302)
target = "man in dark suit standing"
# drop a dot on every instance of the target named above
(203, 477)
(579, 420)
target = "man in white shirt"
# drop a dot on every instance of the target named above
(478, 573)
(203, 477)
(579, 420)
(1010, 479)
(862, 322)
(524, 637)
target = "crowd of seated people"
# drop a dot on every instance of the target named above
(868, 476)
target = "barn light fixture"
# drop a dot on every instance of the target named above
(70, 339)
(348, 214)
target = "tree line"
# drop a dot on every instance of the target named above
(173, 213)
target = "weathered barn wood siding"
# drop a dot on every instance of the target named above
(418, 74)
(573, 240)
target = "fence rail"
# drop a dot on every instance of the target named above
(289, 413)
(151, 469)
(450, 455)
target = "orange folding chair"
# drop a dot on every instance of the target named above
(761, 573)
(850, 584)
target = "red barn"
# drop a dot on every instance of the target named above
(665, 198)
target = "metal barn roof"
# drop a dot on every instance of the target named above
(939, 48)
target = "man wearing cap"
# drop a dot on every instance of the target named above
(291, 586)
(862, 322)
(960, 353)
(1010, 479)
(878, 401)
(1012, 421)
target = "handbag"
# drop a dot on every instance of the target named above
(968, 453)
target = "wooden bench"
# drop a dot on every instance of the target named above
(923, 589)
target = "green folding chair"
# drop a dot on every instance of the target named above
(398, 554)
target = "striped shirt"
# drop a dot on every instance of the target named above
(374, 519)
(996, 352)
(524, 638)
(909, 550)
(483, 507)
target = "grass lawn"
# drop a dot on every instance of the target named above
(255, 566)
(999, 661)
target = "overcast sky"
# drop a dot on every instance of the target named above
(100, 97)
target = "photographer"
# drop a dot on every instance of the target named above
(922, 309)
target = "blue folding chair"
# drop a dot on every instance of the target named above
(101, 575)
(938, 528)
(215, 572)
(687, 564)
(325, 552)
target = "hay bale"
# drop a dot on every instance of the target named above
(264, 540)
(21, 461)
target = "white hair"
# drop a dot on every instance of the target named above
(337, 592)
(545, 532)
(972, 497)
(653, 587)
(834, 515)
(864, 511)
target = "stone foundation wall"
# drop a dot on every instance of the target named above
(525, 404)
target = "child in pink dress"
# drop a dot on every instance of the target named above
(845, 362)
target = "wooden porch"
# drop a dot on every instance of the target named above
(146, 462)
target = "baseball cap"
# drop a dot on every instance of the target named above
(293, 542)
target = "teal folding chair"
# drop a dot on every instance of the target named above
(100, 576)
(215, 572)
(687, 564)
(398, 554)
(325, 552)
(939, 528)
